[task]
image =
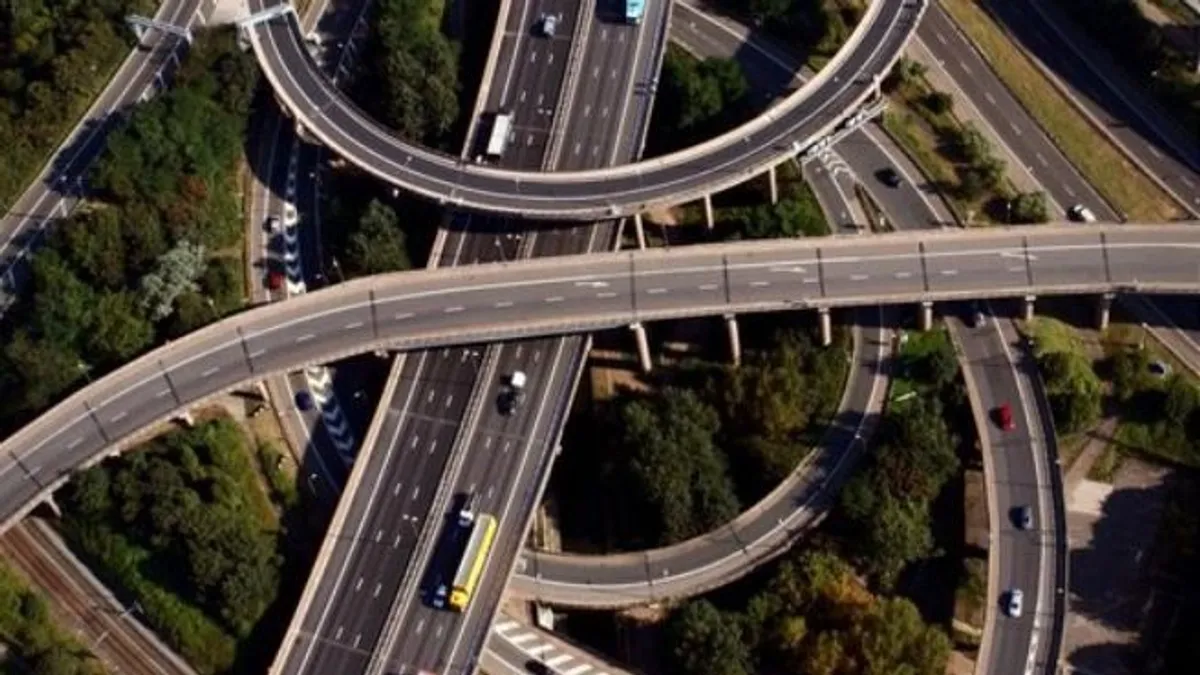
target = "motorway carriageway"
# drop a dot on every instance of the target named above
(810, 112)
(573, 294)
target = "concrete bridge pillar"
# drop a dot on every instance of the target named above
(1029, 300)
(1103, 310)
(826, 326)
(926, 315)
(640, 230)
(708, 212)
(643, 346)
(774, 179)
(185, 418)
(261, 388)
(53, 506)
(735, 340)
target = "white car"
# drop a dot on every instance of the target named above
(1015, 602)
(549, 25)
(1081, 213)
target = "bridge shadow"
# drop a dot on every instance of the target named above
(1139, 36)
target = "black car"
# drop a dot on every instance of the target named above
(889, 177)
(510, 399)
(304, 400)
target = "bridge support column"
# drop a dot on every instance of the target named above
(1029, 300)
(639, 229)
(1103, 310)
(826, 326)
(773, 177)
(708, 212)
(643, 346)
(926, 315)
(185, 418)
(53, 506)
(735, 340)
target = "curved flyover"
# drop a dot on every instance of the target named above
(553, 296)
(757, 534)
(809, 113)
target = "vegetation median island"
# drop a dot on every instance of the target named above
(956, 156)
(56, 56)
(1155, 403)
(703, 442)
(184, 525)
(831, 606)
(154, 253)
(699, 99)
(410, 69)
(1100, 162)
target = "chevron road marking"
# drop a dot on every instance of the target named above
(546, 653)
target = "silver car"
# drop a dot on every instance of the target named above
(1015, 603)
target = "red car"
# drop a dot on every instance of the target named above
(275, 280)
(1004, 417)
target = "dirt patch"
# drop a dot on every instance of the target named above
(663, 216)
(975, 510)
(613, 371)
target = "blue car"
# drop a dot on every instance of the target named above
(304, 400)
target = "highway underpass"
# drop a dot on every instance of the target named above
(811, 112)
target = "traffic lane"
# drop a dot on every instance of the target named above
(830, 193)
(279, 46)
(1139, 130)
(493, 446)
(1006, 114)
(530, 472)
(1173, 257)
(1014, 481)
(347, 561)
(603, 82)
(915, 203)
(396, 513)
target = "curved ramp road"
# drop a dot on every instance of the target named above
(570, 294)
(756, 535)
(809, 113)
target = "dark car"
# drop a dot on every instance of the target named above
(889, 177)
(304, 400)
(1023, 517)
(510, 399)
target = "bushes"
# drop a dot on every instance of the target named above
(32, 638)
(1161, 417)
(143, 260)
(812, 617)
(411, 79)
(183, 526)
(55, 57)
(696, 100)
(686, 457)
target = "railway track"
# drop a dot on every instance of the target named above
(84, 608)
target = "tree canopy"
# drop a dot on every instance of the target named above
(55, 56)
(411, 71)
(181, 526)
(133, 265)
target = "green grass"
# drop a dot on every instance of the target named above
(1052, 335)
(1106, 465)
(917, 346)
(970, 599)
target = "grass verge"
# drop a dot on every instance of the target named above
(1100, 162)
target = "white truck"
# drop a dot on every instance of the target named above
(512, 395)
(502, 129)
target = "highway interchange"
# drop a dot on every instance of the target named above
(1179, 280)
(807, 114)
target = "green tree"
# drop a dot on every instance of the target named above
(119, 330)
(675, 465)
(1030, 207)
(707, 642)
(377, 243)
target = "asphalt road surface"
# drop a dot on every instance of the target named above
(609, 192)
